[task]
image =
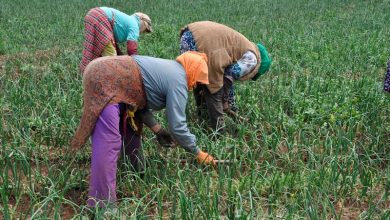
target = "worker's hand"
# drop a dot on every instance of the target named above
(74, 146)
(132, 48)
(165, 138)
(205, 158)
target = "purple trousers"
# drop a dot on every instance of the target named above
(106, 147)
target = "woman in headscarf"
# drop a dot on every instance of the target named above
(231, 56)
(386, 86)
(139, 83)
(106, 27)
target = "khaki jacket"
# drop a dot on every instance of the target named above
(223, 46)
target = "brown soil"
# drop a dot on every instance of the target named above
(20, 205)
(351, 208)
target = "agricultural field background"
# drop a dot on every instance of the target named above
(317, 144)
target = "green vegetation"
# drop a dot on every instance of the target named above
(317, 145)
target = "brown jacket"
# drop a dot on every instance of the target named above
(223, 46)
(108, 80)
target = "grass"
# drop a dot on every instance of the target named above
(317, 145)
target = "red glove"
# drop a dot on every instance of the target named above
(132, 47)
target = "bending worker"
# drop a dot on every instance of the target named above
(106, 27)
(231, 57)
(138, 83)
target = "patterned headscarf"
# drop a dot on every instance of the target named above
(145, 21)
(195, 65)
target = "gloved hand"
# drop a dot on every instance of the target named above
(205, 158)
(164, 138)
(132, 47)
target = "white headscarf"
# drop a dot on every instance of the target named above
(145, 21)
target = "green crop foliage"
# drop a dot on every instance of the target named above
(316, 145)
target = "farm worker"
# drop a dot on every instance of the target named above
(231, 57)
(106, 27)
(386, 86)
(137, 83)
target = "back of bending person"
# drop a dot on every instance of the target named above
(140, 83)
(106, 27)
(231, 57)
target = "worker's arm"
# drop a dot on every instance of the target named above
(132, 39)
(176, 101)
(164, 138)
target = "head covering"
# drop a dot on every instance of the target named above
(145, 22)
(266, 61)
(195, 65)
